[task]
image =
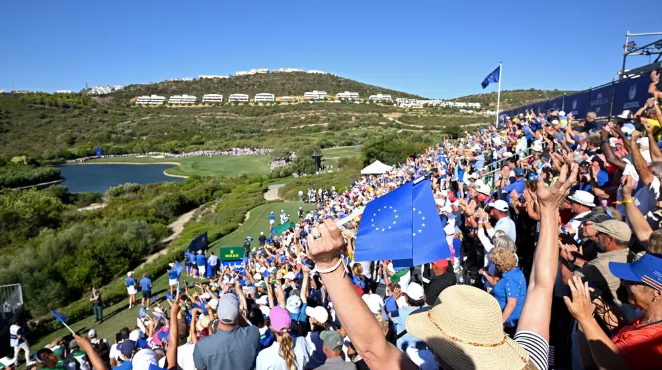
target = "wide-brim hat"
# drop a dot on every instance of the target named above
(582, 197)
(466, 331)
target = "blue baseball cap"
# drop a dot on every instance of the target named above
(647, 269)
(519, 172)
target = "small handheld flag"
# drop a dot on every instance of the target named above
(403, 225)
(178, 268)
(61, 319)
(492, 77)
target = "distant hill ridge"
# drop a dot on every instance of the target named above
(279, 84)
(512, 98)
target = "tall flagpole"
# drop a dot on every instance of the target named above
(496, 123)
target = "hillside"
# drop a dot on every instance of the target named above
(279, 84)
(512, 98)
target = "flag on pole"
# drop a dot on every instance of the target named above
(179, 269)
(492, 77)
(61, 318)
(402, 226)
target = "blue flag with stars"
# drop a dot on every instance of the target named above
(402, 226)
(492, 77)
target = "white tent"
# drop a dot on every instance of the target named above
(376, 168)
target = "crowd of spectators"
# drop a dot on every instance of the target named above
(554, 230)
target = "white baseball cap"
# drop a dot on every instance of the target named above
(415, 291)
(499, 205)
(318, 313)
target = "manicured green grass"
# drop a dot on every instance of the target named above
(218, 165)
(259, 221)
(331, 156)
(116, 316)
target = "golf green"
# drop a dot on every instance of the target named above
(218, 165)
(258, 221)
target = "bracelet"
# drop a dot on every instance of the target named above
(631, 200)
(332, 269)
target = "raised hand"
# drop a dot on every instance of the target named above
(580, 306)
(655, 77)
(627, 185)
(635, 135)
(325, 243)
(551, 197)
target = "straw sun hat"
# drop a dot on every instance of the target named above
(466, 331)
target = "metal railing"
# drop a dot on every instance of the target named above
(11, 297)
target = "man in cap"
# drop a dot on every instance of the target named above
(262, 239)
(234, 345)
(581, 203)
(414, 297)
(440, 279)
(126, 350)
(333, 345)
(613, 238)
(499, 211)
(146, 288)
(272, 219)
(201, 261)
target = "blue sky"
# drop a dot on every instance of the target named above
(438, 49)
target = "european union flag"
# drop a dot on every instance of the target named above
(60, 317)
(178, 268)
(492, 77)
(403, 226)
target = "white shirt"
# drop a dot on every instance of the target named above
(115, 353)
(508, 226)
(13, 335)
(269, 359)
(184, 357)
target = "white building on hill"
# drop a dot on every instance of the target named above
(187, 78)
(150, 100)
(314, 71)
(202, 77)
(252, 71)
(287, 70)
(182, 99)
(315, 95)
(242, 98)
(285, 98)
(347, 95)
(380, 97)
(63, 92)
(264, 97)
(212, 98)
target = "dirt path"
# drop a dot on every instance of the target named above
(177, 227)
(272, 193)
(92, 207)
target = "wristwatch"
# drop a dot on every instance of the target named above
(605, 141)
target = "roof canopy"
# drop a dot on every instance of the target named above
(376, 168)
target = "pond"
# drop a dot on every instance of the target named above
(100, 177)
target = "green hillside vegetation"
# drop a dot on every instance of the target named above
(53, 135)
(279, 84)
(57, 253)
(16, 175)
(513, 98)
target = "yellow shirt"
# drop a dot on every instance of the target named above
(657, 133)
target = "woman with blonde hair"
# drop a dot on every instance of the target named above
(287, 352)
(510, 289)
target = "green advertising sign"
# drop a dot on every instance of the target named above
(231, 253)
